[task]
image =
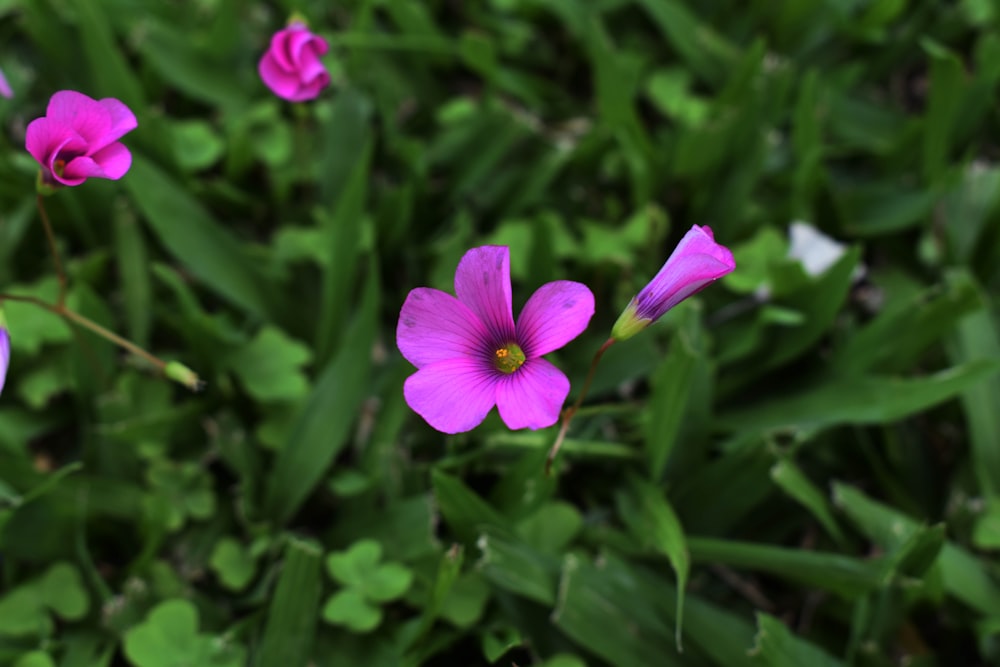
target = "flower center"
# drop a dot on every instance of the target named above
(59, 166)
(508, 358)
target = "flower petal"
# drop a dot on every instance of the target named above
(122, 120)
(114, 160)
(452, 395)
(482, 282)
(5, 89)
(87, 116)
(532, 396)
(555, 314)
(283, 83)
(435, 326)
(44, 138)
(4, 355)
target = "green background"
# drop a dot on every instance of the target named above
(788, 470)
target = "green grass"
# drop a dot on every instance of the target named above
(788, 470)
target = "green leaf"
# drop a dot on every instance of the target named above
(668, 402)
(590, 595)
(323, 427)
(895, 338)
(516, 567)
(351, 567)
(61, 590)
(270, 366)
(842, 575)
(351, 609)
(652, 521)
(776, 646)
(465, 513)
(865, 400)
(977, 340)
(343, 234)
(35, 659)
(22, 613)
(232, 563)
(946, 84)
(169, 638)
(192, 236)
(291, 615)
(552, 527)
(965, 577)
(794, 482)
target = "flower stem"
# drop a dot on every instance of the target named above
(73, 316)
(51, 237)
(567, 415)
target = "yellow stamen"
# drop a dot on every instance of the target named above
(508, 358)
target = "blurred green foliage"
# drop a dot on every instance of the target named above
(795, 468)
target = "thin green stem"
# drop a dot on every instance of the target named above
(63, 311)
(567, 415)
(51, 237)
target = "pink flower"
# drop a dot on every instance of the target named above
(696, 262)
(5, 89)
(291, 67)
(470, 354)
(4, 354)
(78, 137)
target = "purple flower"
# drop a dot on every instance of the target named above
(5, 89)
(4, 353)
(470, 354)
(696, 262)
(78, 137)
(291, 67)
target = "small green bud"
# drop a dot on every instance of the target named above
(181, 374)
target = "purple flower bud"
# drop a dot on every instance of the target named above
(291, 67)
(696, 262)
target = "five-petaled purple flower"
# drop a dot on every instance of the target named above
(78, 137)
(470, 354)
(696, 262)
(4, 353)
(291, 67)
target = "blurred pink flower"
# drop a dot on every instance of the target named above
(696, 262)
(78, 137)
(470, 354)
(4, 354)
(5, 89)
(291, 67)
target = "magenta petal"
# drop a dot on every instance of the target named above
(282, 83)
(44, 137)
(114, 160)
(482, 282)
(4, 356)
(85, 115)
(435, 326)
(8, 92)
(555, 314)
(311, 90)
(452, 395)
(122, 119)
(532, 396)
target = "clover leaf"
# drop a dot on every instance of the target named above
(169, 638)
(270, 366)
(367, 582)
(26, 610)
